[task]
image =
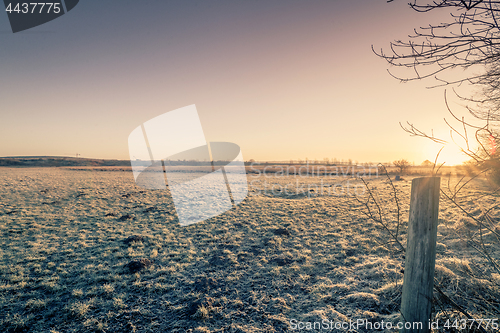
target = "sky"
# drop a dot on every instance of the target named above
(282, 79)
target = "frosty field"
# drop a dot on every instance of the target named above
(306, 254)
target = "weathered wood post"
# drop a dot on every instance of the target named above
(418, 282)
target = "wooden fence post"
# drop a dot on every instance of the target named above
(420, 259)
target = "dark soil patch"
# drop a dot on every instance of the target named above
(126, 217)
(282, 231)
(137, 265)
(133, 238)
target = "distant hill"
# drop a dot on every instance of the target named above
(57, 161)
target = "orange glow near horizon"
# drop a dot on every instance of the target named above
(450, 155)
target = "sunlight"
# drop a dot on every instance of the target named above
(450, 155)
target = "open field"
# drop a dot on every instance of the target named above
(297, 248)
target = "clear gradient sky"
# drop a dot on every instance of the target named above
(283, 79)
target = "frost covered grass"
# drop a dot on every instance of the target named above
(278, 256)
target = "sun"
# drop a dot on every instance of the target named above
(450, 154)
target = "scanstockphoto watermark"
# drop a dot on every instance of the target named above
(353, 325)
(309, 180)
(178, 135)
(365, 324)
